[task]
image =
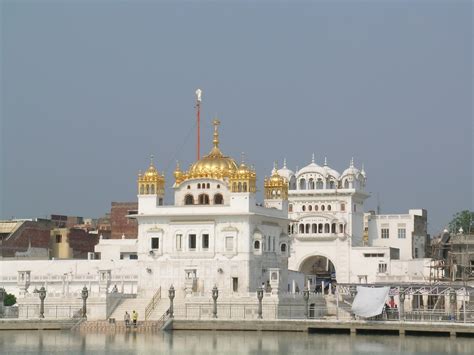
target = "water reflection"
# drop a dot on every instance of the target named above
(204, 342)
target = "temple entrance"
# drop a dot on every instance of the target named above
(319, 272)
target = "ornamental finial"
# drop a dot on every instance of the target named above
(312, 158)
(325, 161)
(352, 162)
(151, 159)
(284, 163)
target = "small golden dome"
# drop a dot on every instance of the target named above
(177, 171)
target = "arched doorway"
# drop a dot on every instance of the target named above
(319, 271)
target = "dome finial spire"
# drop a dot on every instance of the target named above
(325, 161)
(242, 158)
(312, 158)
(352, 162)
(284, 163)
(216, 124)
(151, 159)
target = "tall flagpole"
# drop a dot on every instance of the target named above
(198, 114)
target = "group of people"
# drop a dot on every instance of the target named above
(134, 319)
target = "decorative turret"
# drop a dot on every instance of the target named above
(244, 179)
(276, 189)
(151, 182)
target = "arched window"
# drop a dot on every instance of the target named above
(292, 229)
(234, 187)
(218, 199)
(343, 207)
(142, 189)
(326, 228)
(314, 228)
(292, 184)
(239, 187)
(203, 199)
(311, 184)
(301, 228)
(341, 228)
(283, 248)
(147, 189)
(208, 186)
(329, 207)
(244, 187)
(189, 187)
(307, 228)
(303, 208)
(323, 208)
(333, 228)
(310, 208)
(316, 207)
(189, 200)
(319, 184)
(331, 184)
(290, 208)
(199, 185)
(302, 184)
(256, 245)
(346, 184)
(320, 228)
(152, 189)
(218, 186)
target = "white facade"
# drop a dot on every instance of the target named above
(213, 234)
(326, 209)
(328, 223)
(407, 232)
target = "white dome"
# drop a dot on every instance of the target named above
(331, 171)
(351, 170)
(312, 168)
(285, 172)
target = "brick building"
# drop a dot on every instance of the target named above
(120, 224)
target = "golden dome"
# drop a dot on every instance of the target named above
(215, 165)
(215, 162)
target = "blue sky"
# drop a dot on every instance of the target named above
(90, 89)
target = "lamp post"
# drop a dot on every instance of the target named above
(215, 294)
(306, 298)
(452, 300)
(84, 295)
(401, 309)
(171, 295)
(2, 297)
(259, 297)
(42, 296)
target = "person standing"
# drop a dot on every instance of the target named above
(134, 318)
(126, 318)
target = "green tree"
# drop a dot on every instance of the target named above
(464, 220)
(9, 300)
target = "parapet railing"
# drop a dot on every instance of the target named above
(152, 304)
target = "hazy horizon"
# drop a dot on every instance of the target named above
(90, 89)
